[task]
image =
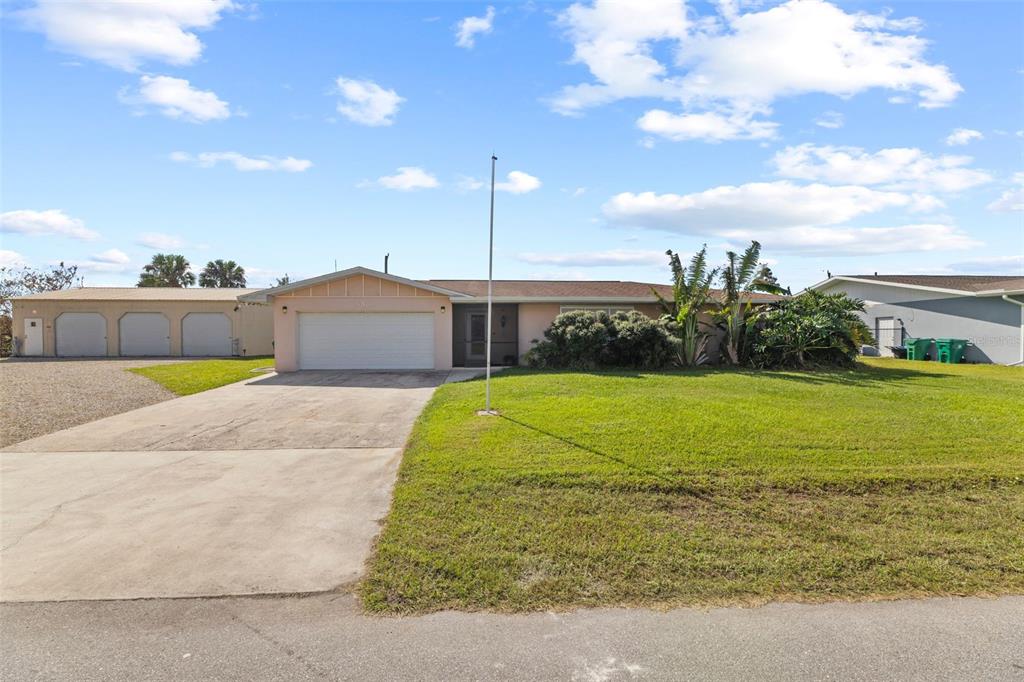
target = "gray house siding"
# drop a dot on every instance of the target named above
(992, 325)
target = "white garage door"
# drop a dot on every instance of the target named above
(366, 341)
(145, 334)
(81, 335)
(206, 335)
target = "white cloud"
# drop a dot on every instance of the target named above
(44, 223)
(896, 168)
(788, 217)
(561, 274)
(365, 102)
(12, 259)
(709, 126)
(468, 28)
(466, 183)
(112, 256)
(406, 179)
(288, 164)
(176, 98)
(590, 259)
(125, 34)
(1011, 199)
(735, 64)
(994, 265)
(962, 136)
(831, 120)
(764, 204)
(159, 241)
(518, 182)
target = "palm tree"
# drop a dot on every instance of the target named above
(691, 288)
(281, 281)
(224, 274)
(167, 270)
(742, 276)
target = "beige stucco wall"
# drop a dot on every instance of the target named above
(251, 324)
(358, 294)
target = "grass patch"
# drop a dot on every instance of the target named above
(186, 378)
(706, 487)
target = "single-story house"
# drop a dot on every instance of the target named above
(140, 321)
(364, 319)
(987, 310)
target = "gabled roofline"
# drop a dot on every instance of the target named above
(262, 295)
(919, 287)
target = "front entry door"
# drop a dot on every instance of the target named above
(33, 337)
(476, 337)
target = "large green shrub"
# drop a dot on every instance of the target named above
(583, 339)
(635, 340)
(575, 340)
(810, 330)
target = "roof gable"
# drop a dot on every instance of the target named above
(322, 286)
(960, 285)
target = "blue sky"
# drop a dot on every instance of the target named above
(850, 137)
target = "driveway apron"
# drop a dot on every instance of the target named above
(273, 485)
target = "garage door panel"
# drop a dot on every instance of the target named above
(206, 335)
(81, 335)
(144, 334)
(366, 340)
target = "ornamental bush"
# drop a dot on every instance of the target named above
(810, 330)
(635, 340)
(583, 339)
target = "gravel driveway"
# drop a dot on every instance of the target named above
(42, 396)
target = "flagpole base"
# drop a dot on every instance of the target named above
(487, 413)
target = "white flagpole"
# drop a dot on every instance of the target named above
(490, 288)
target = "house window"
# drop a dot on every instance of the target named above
(611, 310)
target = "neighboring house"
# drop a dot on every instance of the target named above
(365, 319)
(986, 310)
(140, 321)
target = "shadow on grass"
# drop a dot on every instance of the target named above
(860, 375)
(673, 484)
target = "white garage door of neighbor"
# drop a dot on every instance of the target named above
(81, 335)
(145, 334)
(206, 335)
(366, 341)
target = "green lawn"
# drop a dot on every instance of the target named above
(709, 487)
(186, 378)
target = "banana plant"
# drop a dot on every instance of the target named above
(741, 277)
(691, 289)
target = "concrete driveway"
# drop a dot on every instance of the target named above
(273, 485)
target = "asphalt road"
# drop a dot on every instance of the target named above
(326, 637)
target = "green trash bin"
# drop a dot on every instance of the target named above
(916, 348)
(950, 351)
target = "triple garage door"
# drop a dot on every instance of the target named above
(81, 335)
(206, 335)
(145, 334)
(366, 341)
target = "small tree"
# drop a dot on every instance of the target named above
(741, 277)
(281, 281)
(691, 288)
(167, 270)
(225, 274)
(22, 281)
